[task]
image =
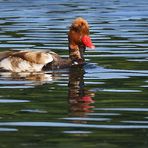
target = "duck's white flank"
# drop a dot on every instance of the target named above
(17, 64)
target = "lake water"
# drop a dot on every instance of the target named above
(101, 105)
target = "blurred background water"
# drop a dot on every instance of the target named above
(104, 104)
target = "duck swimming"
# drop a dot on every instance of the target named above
(35, 61)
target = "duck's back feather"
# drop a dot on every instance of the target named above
(37, 57)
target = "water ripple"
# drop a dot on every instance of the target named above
(88, 119)
(124, 109)
(8, 130)
(13, 101)
(56, 124)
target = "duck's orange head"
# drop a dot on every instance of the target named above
(79, 39)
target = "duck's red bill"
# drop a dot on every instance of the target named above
(87, 42)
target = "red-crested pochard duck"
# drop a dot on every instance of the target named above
(34, 61)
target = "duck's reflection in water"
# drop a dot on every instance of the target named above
(37, 78)
(80, 99)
